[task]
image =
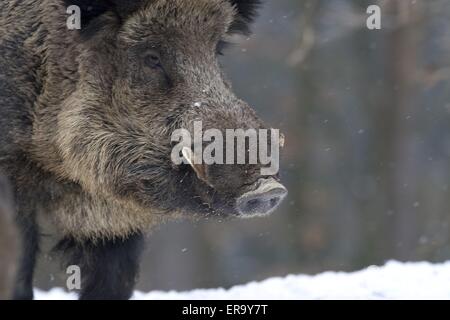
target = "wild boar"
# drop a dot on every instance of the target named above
(86, 118)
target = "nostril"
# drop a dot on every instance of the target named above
(252, 205)
(259, 204)
(274, 202)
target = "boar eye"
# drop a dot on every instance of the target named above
(153, 60)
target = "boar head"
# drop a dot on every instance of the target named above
(146, 69)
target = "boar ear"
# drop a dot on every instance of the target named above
(246, 12)
(200, 169)
(124, 8)
(91, 9)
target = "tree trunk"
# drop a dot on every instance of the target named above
(398, 125)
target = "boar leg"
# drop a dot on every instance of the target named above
(109, 268)
(8, 242)
(30, 243)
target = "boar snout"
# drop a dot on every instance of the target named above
(262, 201)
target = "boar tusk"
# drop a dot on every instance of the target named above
(282, 140)
(200, 169)
(187, 154)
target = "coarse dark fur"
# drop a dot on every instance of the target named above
(86, 118)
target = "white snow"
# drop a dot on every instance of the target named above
(395, 280)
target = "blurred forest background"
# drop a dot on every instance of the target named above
(366, 114)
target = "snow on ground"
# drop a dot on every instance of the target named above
(395, 280)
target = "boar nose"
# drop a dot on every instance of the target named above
(265, 199)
